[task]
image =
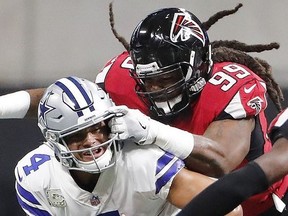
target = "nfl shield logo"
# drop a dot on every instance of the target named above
(94, 200)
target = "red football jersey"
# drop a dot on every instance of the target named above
(232, 92)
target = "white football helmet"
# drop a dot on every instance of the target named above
(69, 105)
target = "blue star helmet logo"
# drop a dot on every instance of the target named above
(45, 108)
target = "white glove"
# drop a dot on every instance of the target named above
(132, 124)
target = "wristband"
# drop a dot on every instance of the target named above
(14, 105)
(173, 140)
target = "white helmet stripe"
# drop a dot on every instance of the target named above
(79, 96)
(83, 92)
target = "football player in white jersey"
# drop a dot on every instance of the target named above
(81, 169)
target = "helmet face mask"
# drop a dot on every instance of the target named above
(161, 88)
(69, 109)
(164, 40)
(101, 156)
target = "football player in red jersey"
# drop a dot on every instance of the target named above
(211, 89)
(238, 185)
(218, 93)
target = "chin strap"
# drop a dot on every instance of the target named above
(167, 106)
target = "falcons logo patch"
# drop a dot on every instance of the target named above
(256, 104)
(183, 27)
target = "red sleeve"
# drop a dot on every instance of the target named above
(115, 79)
(250, 100)
(236, 90)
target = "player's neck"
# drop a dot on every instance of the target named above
(85, 180)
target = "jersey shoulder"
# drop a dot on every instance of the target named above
(120, 65)
(151, 167)
(230, 76)
(235, 89)
(34, 169)
(115, 79)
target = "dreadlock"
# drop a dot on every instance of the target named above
(233, 51)
(112, 23)
(213, 19)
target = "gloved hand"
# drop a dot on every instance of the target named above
(279, 126)
(132, 124)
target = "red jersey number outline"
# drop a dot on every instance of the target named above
(126, 64)
(227, 81)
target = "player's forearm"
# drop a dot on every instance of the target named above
(206, 158)
(228, 192)
(278, 133)
(199, 153)
(20, 104)
(275, 169)
(35, 97)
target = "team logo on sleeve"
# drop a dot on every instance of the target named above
(256, 104)
(183, 27)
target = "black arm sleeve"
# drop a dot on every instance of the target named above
(228, 192)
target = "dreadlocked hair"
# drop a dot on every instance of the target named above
(258, 66)
(236, 51)
(232, 51)
(115, 33)
(219, 15)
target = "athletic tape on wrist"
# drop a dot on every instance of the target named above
(178, 142)
(14, 105)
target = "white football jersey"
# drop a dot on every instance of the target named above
(138, 184)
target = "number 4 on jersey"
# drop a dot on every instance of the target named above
(36, 161)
